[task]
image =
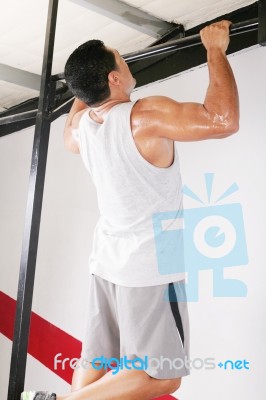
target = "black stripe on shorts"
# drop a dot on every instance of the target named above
(175, 310)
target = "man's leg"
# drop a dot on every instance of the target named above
(126, 384)
(165, 336)
(138, 384)
(83, 377)
(102, 333)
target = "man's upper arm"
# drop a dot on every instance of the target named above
(71, 143)
(182, 121)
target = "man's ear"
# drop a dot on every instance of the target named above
(113, 78)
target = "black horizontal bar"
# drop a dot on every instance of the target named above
(63, 109)
(18, 117)
(186, 42)
(58, 77)
(16, 127)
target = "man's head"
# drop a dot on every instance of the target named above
(95, 73)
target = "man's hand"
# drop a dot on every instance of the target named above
(216, 36)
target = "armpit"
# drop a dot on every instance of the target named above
(75, 135)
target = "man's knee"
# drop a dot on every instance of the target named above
(173, 384)
(85, 376)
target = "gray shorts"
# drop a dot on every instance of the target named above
(137, 327)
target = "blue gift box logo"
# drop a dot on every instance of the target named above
(211, 237)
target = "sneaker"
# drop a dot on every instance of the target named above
(34, 395)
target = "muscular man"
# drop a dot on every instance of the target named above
(129, 149)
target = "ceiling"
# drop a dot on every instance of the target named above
(23, 24)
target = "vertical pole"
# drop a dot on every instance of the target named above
(262, 22)
(33, 214)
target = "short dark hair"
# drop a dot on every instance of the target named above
(86, 72)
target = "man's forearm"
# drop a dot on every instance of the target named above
(221, 99)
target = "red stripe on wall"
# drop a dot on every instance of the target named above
(45, 341)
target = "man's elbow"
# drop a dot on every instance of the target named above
(72, 147)
(228, 129)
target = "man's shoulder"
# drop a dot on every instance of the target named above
(152, 103)
(153, 110)
(148, 116)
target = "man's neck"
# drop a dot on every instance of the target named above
(98, 113)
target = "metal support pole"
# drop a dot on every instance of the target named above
(262, 23)
(33, 214)
(128, 15)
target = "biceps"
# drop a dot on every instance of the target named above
(191, 121)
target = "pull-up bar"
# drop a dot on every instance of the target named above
(186, 42)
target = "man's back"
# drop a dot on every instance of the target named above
(130, 191)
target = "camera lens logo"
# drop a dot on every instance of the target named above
(204, 238)
(214, 237)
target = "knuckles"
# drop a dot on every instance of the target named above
(216, 26)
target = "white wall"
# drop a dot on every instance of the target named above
(229, 328)
(221, 328)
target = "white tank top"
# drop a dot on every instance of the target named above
(129, 191)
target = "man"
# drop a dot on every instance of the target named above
(129, 149)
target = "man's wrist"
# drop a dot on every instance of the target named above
(214, 53)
